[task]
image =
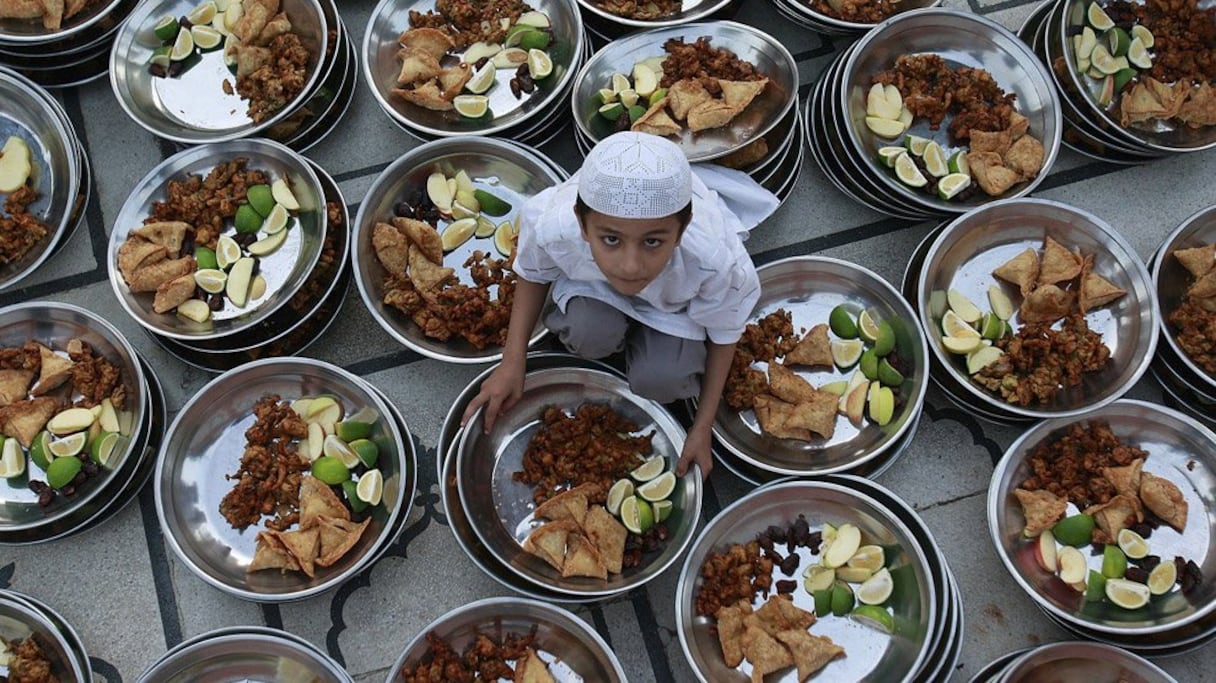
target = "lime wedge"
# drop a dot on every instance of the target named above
(1128, 594)
(954, 325)
(212, 281)
(908, 173)
(636, 515)
(607, 95)
(888, 155)
(458, 232)
(867, 326)
(471, 106)
(935, 160)
(491, 204)
(485, 227)
(515, 34)
(877, 589)
(276, 220)
(662, 510)
(846, 352)
(840, 320)
(622, 489)
(534, 40)
(1122, 76)
(540, 65)
(875, 617)
(952, 184)
(871, 557)
(205, 258)
(1103, 60)
(620, 82)
(350, 430)
(649, 469)
(888, 375)
(482, 79)
(62, 471)
(958, 163)
(1095, 585)
(885, 343)
(12, 459)
(842, 599)
(206, 38)
(1162, 578)
(817, 578)
(916, 144)
(1145, 35)
(533, 18)
(612, 111)
(351, 490)
(1098, 18)
(1138, 55)
(40, 452)
(330, 470)
(160, 57)
(1132, 544)
(371, 487)
(337, 448)
(166, 28)
(367, 451)
(1117, 41)
(248, 219)
(227, 251)
(504, 238)
(659, 488)
(183, 46)
(203, 13)
(103, 447)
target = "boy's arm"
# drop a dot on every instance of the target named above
(697, 447)
(506, 384)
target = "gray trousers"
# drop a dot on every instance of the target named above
(659, 366)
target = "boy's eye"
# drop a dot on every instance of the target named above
(611, 240)
(653, 242)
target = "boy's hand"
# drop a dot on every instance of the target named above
(499, 392)
(697, 448)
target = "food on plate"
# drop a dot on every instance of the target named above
(20, 231)
(412, 246)
(858, 11)
(1119, 506)
(183, 255)
(298, 455)
(786, 405)
(645, 10)
(1033, 364)
(1150, 63)
(694, 86)
(770, 631)
(63, 416)
(51, 14)
(269, 60)
(26, 662)
(450, 56)
(483, 660)
(1194, 320)
(988, 143)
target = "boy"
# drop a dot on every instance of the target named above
(643, 254)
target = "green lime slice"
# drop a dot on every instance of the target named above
(1098, 18)
(1138, 55)
(261, 199)
(662, 510)
(205, 257)
(823, 602)
(950, 186)
(846, 352)
(248, 220)
(367, 451)
(482, 79)
(160, 57)
(916, 144)
(62, 471)
(1117, 41)
(166, 29)
(659, 488)
(534, 40)
(12, 459)
(885, 343)
(1114, 562)
(869, 364)
(103, 447)
(471, 106)
(842, 599)
(39, 452)
(350, 430)
(957, 164)
(887, 155)
(351, 490)
(206, 38)
(1095, 587)
(330, 470)
(183, 46)
(908, 173)
(370, 488)
(935, 160)
(637, 515)
(875, 617)
(888, 375)
(842, 323)
(1074, 530)
(540, 65)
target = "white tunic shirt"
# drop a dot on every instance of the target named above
(707, 290)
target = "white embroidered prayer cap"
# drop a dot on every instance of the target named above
(635, 175)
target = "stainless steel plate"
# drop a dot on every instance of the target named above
(252, 654)
(75, 646)
(508, 170)
(573, 651)
(962, 39)
(26, 112)
(1171, 280)
(500, 509)
(54, 324)
(193, 108)
(32, 33)
(829, 23)
(1156, 134)
(381, 66)
(870, 654)
(285, 270)
(769, 56)
(206, 441)
(1082, 661)
(993, 669)
(967, 251)
(809, 287)
(19, 620)
(690, 11)
(1179, 449)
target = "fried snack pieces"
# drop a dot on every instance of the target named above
(326, 533)
(579, 540)
(772, 638)
(1039, 279)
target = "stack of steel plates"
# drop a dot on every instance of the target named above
(571, 649)
(513, 109)
(60, 170)
(207, 441)
(509, 171)
(1072, 661)
(491, 513)
(913, 632)
(848, 151)
(961, 256)
(245, 653)
(606, 21)
(810, 288)
(24, 617)
(1092, 88)
(74, 52)
(197, 102)
(307, 277)
(1190, 384)
(1122, 599)
(133, 456)
(764, 140)
(823, 17)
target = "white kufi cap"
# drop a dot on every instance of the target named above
(635, 175)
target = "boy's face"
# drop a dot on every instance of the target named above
(631, 252)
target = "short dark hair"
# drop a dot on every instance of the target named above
(684, 215)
